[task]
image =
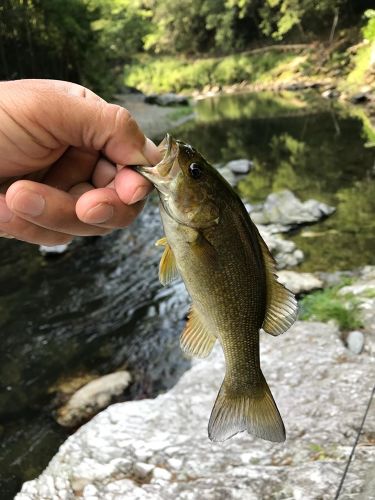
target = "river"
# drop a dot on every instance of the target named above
(100, 307)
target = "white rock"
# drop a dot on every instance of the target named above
(321, 393)
(92, 397)
(299, 282)
(355, 341)
(285, 208)
(141, 470)
(159, 473)
(53, 250)
(240, 167)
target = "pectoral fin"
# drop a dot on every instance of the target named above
(195, 339)
(167, 267)
(282, 306)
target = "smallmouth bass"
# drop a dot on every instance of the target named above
(229, 273)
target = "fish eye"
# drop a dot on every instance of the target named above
(195, 171)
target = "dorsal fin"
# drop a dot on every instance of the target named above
(195, 339)
(282, 306)
(167, 267)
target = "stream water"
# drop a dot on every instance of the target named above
(100, 307)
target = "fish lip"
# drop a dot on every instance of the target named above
(159, 174)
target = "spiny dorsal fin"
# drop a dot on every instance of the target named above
(195, 339)
(282, 306)
(167, 267)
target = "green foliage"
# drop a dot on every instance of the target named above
(85, 41)
(369, 29)
(362, 59)
(198, 26)
(164, 74)
(329, 305)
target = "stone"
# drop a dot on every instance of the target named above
(285, 208)
(227, 173)
(284, 251)
(355, 341)
(53, 250)
(331, 94)
(321, 390)
(300, 283)
(360, 97)
(92, 397)
(168, 99)
(240, 167)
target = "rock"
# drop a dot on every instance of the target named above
(167, 99)
(300, 282)
(284, 251)
(92, 397)
(331, 94)
(321, 391)
(227, 174)
(285, 208)
(355, 341)
(53, 250)
(240, 167)
(360, 97)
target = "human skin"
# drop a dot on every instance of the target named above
(63, 150)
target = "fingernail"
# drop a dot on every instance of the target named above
(139, 194)
(28, 203)
(151, 152)
(5, 213)
(99, 214)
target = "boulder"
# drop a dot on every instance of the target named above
(92, 397)
(158, 449)
(299, 283)
(285, 252)
(240, 167)
(168, 99)
(285, 208)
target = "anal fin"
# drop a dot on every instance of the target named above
(195, 339)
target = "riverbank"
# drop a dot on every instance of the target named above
(159, 449)
(346, 66)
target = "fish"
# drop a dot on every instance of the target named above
(212, 243)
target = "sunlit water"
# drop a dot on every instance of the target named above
(100, 307)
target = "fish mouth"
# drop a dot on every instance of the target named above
(163, 172)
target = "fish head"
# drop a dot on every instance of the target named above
(188, 186)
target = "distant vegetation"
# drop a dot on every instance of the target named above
(90, 41)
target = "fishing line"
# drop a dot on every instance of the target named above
(355, 445)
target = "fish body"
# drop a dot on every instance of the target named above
(228, 271)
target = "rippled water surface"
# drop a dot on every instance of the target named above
(100, 306)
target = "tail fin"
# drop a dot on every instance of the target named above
(255, 412)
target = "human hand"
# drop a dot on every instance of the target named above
(62, 149)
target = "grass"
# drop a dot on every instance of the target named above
(178, 74)
(329, 305)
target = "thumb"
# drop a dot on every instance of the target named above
(75, 116)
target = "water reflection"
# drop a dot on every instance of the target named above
(309, 146)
